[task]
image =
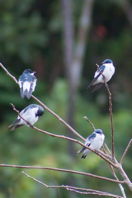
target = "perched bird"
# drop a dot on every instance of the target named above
(94, 141)
(103, 74)
(27, 83)
(31, 113)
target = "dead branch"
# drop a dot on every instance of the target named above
(115, 164)
(128, 146)
(111, 116)
(73, 188)
(42, 104)
(99, 153)
(62, 170)
(91, 123)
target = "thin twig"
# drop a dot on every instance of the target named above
(111, 117)
(73, 188)
(63, 170)
(8, 73)
(128, 146)
(113, 171)
(59, 118)
(124, 176)
(120, 185)
(115, 164)
(91, 123)
(45, 106)
(99, 153)
(122, 172)
(94, 193)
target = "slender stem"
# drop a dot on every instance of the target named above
(8, 73)
(94, 193)
(73, 188)
(91, 123)
(99, 153)
(111, 119)
(129, 144)
(62, 170)
(45, 106)
(122, 172)
(120, 185)
(124, 175)
(59, 118)
(115, 164)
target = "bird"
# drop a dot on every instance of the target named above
(28, 116)
(27, 83)
(103, 74)
(94, 141)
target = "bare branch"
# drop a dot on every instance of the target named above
(114, 164)
(91, 123)
(122, 172)
(59, 118)
(120, 185)
(111, 117)
(73, 188)
(99, 153)
(101, 193)
(125, 177)
(128, 146)
(63, 170)
(48, 109)
(8, 73)
(113, 171)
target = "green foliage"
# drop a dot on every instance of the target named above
(22, 35)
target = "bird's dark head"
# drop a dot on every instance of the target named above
(28, 71)
(107, 61)
(40, 111)
(99, 131)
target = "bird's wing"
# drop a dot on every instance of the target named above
(88, 141)
(17, 123)
(99, 71)
(97, 74)
(91, 138)
(21, 88)
(21, 82)
(33, 85)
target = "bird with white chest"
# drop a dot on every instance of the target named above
(29, 115)
(94, 141)
(103, 74)
(27, 83)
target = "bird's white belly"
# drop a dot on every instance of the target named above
(26, 86)
(97, 143)
(29, 116)
(107, 73)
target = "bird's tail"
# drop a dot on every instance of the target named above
(25, 93)
(21, 92)
(95, 87)
(81, 151)
(84, 151)
(14, 125)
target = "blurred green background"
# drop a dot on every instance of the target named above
(32, 35)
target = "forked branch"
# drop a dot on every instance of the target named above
(73, 188)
